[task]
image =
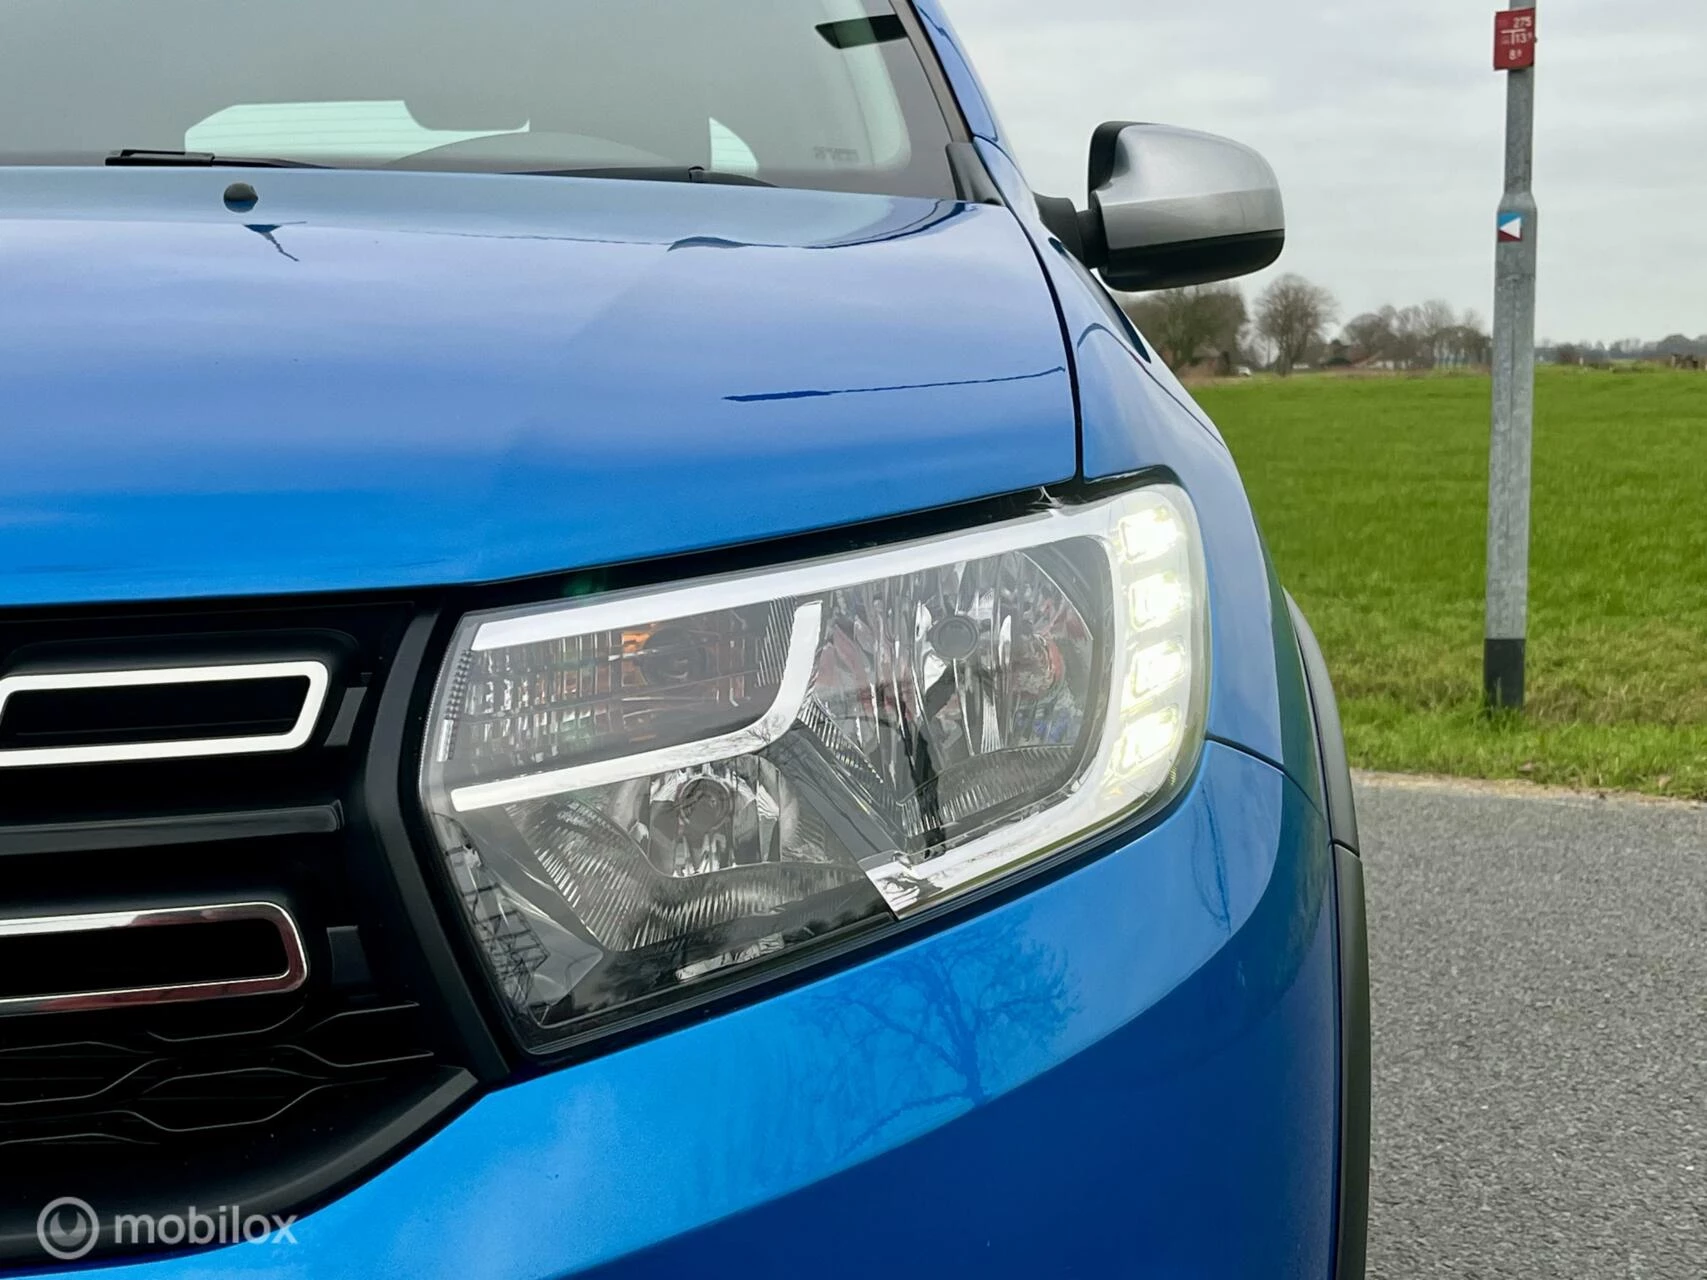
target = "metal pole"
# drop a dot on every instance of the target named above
(1514, 402)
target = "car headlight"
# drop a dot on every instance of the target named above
(641, 795)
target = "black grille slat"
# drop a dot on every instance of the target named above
(63, 1074)
(199, 1085)
(172, 829)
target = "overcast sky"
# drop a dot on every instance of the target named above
(1385, 121)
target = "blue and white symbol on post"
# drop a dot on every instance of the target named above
(1511, 228)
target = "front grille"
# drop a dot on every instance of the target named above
(267, 1097)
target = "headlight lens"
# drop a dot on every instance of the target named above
(643, 794)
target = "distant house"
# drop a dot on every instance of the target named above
(1210, 362)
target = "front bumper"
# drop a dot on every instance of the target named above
(1131, 1069)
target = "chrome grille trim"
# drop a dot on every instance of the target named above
(319, 680)
(294, 974)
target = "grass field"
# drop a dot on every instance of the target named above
(1372, 493)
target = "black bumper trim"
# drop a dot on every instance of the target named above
(1352, 1218)
(1341, 808)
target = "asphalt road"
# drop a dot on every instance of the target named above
(1540, 1024)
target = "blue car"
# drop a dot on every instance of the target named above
(614, 661)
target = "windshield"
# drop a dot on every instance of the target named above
(815, 93)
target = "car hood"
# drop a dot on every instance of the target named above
(388, 379)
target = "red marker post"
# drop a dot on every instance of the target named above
(1514, 40)
(1506, 635)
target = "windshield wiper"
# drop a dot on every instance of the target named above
(655, 173)
(202, 159)
(633, 173)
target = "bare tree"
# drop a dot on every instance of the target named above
(1468, 342)
(1188, 324)
(1418, 337)
(950, 1028)
(1292, 313)
(1370, 336)
(1410, 337)
(1435, 322)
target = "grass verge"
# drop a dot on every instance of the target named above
(1372, 493)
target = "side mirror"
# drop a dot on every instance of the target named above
(1170, 207)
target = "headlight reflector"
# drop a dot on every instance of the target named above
(644, 792)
